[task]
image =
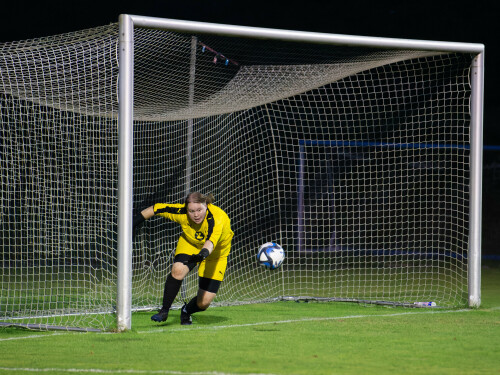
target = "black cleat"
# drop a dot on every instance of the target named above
(185, 317)
(161, 316)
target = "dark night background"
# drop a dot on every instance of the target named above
(475, 22)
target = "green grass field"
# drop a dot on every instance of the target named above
(277, 338)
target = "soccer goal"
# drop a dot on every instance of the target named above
(360, 156)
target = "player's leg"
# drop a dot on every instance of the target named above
(172, 286)
(180, 269)
(211, 274)
(206, 293)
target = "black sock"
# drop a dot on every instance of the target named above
(170, 291)
(192, 306)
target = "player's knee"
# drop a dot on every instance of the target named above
(179, 271)
(203, 305)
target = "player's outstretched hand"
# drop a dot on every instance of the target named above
(200, 257)
(137, 221)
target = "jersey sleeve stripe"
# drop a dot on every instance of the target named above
(211, 224)
(172, 210)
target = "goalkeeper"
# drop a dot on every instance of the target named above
(205, 239)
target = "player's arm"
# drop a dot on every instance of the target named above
(209, 246)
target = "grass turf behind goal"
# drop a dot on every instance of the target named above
(356, 160)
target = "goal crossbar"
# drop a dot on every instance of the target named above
(299, 36)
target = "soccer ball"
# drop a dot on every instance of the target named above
(271, 255)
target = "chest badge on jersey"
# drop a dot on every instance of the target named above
(199, 236)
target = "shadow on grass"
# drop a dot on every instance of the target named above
(207, 319)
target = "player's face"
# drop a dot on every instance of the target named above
(196, 212)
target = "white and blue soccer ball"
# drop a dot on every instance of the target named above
(271, 255)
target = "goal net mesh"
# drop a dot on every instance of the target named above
(355, 160)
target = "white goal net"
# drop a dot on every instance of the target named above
(356, 160)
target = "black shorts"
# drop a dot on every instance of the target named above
(210, 285)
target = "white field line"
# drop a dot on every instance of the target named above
(167, 372)
(155, 330)
(210, 328)
(102, 371)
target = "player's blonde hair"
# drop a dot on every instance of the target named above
(197, 197)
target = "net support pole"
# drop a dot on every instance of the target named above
(125, 172)
(192, 77)
(300, 203)
(189, 148)
(476, 160)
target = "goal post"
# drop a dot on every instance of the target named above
(125, 173)
(475, 146)
(476, 172)
(360, 156)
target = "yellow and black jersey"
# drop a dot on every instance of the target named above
(216, 227)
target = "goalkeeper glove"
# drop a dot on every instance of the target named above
(137, 220)
(200, 257)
